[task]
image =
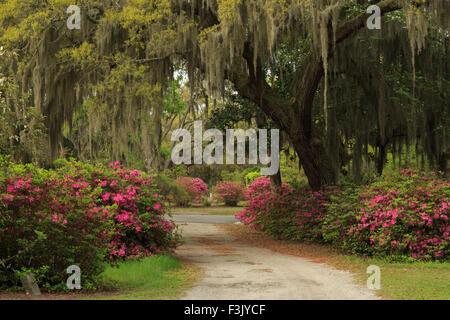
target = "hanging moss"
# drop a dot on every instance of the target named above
(123, 62)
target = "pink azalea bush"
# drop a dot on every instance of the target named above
(255, 193)
(407, 216)
(195, 188)
(257, 186)
(79, 215)
(140, 226)
(284, 212)
(229, 192)
(403, 217)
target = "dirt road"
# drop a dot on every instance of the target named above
(234, 270)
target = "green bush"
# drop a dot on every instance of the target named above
(341, 215)
(293, 176)
(251, 176)
(206, 202)
(171, 191)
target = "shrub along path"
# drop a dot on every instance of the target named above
(233, 269)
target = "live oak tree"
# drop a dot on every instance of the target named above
(120, 65)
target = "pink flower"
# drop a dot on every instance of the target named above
(118, 198)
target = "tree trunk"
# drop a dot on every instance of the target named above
(276, 179)
(294, 117)
(381, 158)
(310, 163)
(261, 122)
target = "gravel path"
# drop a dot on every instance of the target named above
(234, 270)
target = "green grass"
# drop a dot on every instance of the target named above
(213, 210)
(152, 278)
(407, 281)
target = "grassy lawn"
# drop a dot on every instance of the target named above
(153, 278)
(405, 281)
(213, 210)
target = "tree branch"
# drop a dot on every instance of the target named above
(354, 25)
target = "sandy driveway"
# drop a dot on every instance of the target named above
(234, 270)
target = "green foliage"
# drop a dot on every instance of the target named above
(78, 214)
(341, 216)
(174, 104)
(45, 227)
(400, 217)
(176, 172)
(207, 202)
(293, 176)
(252, 176)
(236, 175)
(234, 111)
(22, 131)
(171, 191)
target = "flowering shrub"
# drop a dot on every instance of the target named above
(255, 193)
(79, 215)
(258, 186)
(73, 229)
(195, 188)
(140, 226)
(229, 192)
(284, 212)
(340, 217)
(407, 216)
(403, 217)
